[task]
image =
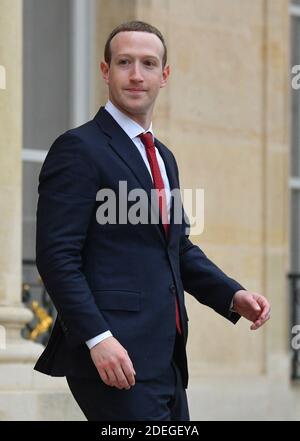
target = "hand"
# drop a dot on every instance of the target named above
(113, 363)
(253, 307)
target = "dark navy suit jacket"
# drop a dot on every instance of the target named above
(118, 277)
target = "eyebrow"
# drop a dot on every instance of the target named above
(143, 56)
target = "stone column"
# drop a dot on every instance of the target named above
(13, 315)
(24, 394)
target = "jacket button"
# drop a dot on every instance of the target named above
(173, 289)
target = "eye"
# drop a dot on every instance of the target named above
(123, 62)
(150, 63)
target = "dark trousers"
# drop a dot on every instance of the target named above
(161, 399)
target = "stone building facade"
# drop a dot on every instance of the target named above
(226, 115)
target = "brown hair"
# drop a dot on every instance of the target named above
(135, 26)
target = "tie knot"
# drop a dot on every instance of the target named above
(147, 140)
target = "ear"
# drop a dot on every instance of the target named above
(104, 67)
(165, 75)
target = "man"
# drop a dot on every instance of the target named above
(118, 287)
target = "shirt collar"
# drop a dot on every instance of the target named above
(130, 127)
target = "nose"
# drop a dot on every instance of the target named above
(136, 74)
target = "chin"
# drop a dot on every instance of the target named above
(135, 107)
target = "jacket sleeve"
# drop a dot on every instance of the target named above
(67, 193)
(203, 279)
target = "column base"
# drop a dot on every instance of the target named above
(14, 348)
(25, 394)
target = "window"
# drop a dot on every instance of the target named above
(46, 96)
(57, 87)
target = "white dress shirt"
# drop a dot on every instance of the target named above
(133, 130)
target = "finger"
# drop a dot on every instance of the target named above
(258, 323)
(255, 326)
(265, 316)
(255, 306)
(131, 366)
(251, 309)
(122, 380)
(129, 372)
(103, 375)
(112, 378)
(254, 315)
(129, 375)
(264, 304)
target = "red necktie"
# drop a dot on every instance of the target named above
(147, 140)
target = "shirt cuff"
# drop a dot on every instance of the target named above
(95, 340)
(231, 306)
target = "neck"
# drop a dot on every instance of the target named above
(143, 119)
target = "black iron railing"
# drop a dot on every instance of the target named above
(295, 323)
(35, 297)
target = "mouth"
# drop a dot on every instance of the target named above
(135, 90)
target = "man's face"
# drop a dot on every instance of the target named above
(135, 73)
